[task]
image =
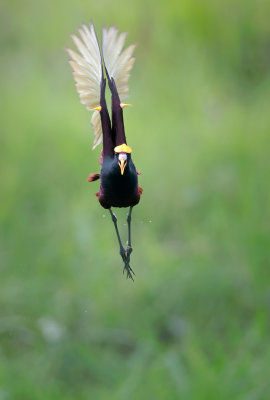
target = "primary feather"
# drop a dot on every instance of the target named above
(87, 72)
(118, 62)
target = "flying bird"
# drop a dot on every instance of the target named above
(92, 66)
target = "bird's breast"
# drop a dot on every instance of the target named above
(119, 190)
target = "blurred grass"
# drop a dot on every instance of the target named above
(195, 325)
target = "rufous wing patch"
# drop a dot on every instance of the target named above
(140, 190)
(93, 177)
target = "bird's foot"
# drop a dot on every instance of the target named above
(127, 267)
(129, 271)
(125, 254)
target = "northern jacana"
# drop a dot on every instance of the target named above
(118, 175)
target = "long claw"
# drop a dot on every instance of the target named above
(129, 275)
(128, 269)
(132, 271)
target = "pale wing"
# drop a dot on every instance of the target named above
(118, 62)
(87, 72)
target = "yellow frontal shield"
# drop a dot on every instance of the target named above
(123, 148)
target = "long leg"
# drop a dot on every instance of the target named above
(129, 248)
(122, 250)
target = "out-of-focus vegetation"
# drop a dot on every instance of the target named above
(195, 324)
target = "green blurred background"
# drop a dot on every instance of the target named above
(195, 324)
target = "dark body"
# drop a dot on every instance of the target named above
(115, 190)
(118, 190)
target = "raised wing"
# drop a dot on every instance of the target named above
(87, 72)
(118, 63)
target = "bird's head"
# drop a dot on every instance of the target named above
(122, 152)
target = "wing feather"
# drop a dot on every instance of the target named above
(118, 62)
(87, 72)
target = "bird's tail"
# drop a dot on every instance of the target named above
(118, 63)
(88, 74)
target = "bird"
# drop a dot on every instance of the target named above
(93, 67)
